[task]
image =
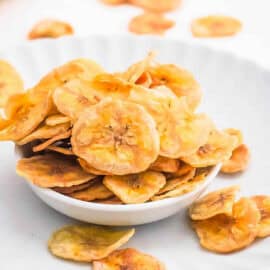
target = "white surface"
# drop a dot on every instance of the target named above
(236, 94)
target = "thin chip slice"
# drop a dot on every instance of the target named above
(72, 189)
(239, 160)
(183, 170)
(116, 136)
(10, 82)
(97, 191)
(90, 169)
(215, 26)
(163, 164)
(224, 234)
(128, 258)
(60, 150)
(237, 133)
(87, 243)
(136, 188)
(150, 23)
(44, 145)
(56, 119)
(145, 80)
(214, 203)
(263, 204)
(52, 170)
(157, 6)
(49, 28)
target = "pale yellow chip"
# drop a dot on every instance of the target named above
(56, 119)
(236, 133)
(157, 6)
(218, 148)
(136, 188)
(75, 188)
(224, 234)
(52, 170)
(128, 259)
(50, 28)
(97, 191)
(214, 203)
(179, 80)
(87, 243)
(90, 169)
(60, 150)
(116, 136)
(263, 204)
(150, 23)
(163, 164)
(215, 26)
(10, 82)
(239, 160)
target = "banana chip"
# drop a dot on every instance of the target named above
(50, 29)
(218, 148)
(224, 234)
(179, 80)
(72, 189)
(137, 188)
(263, 204)
(160, 6)
(60, 150)
(10, 82)
(236, 133)
(114, 2)
(113, 200)
(128, 258)
(88, 168)
(97, 191)
(163, 164)
(51, 170)
(145, 80)
(116, 136)
(56, 119)
(239, 160)
(14, 103)
(214, 203)
(150, 23)
(215, 26)
(87, 243)
(183, 170)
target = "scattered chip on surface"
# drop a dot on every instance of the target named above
(87, 243)
(157, 6)
(114, 2)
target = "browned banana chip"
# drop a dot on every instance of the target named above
(49, 28)
(72, 189)
(88, 168)
(128, 258)
(60, 150)
(56, 119)
(163, 164)
(116, 136)
(157, 6)
(239, 160)
(215, 26)
(87, 243)
(113, 200)
(44, 145)
(52, 170)
(97, 191)
(218, 148)
(136, 188)
(224, 234)
(150, 23)
(10, 82)
(214, 203)
(263, 204)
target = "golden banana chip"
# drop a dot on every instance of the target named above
(87, 243)
(239, 160)
(14, 103)
(97, 191)
(224, 234)
(10, 82)
(114, 2)
(179, 80)
(150, 23)
(145, 80)
(237, 133)
(163, 164)
(218, 148)
(56, 119)
(60, 150)
(88, 168)
(263, 204)
(214, 203)
(72, 189)
(113, 200)
(49, 28)
(183, 170)
(157, 6)
(116, 136)
(136, 188)
(52, 170)
(128, 258)
(215, 26)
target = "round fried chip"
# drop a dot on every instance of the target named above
(87, 243)
(179, 80)
(56, 119)
(157, 6)
(52, 170)
(136, 188)
(49, 28)
(97, 191)
(218, 148)
(116, 136)
(163, 164)
(239, 160)
(214, 203)
(90, 169)
(224, 234)
(263, 204)
(215, 26)
(72, 189)
(60, 150)
(150, 23)
(128, 258)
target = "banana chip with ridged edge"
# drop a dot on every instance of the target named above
(87, 243)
